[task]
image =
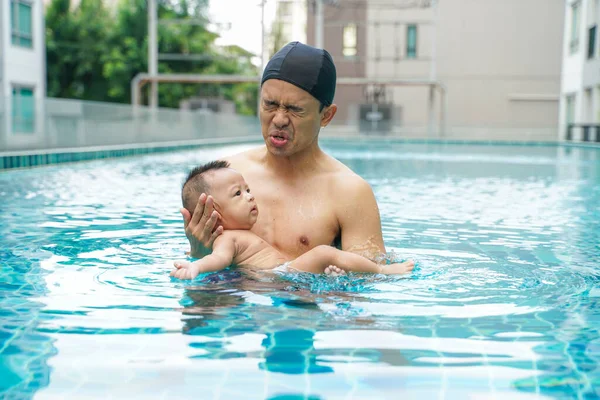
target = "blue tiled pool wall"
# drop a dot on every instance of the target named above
(37, 158)
(12, 161)
(33, 160)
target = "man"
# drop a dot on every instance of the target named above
(310, 198)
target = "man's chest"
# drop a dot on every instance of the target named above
(294, 220)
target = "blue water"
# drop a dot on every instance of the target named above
(505, 302)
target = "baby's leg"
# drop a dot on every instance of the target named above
(319, 258)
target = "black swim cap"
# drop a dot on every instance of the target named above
(307, 67)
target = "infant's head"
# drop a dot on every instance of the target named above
(229, 190)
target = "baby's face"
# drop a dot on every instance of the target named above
(233, 199)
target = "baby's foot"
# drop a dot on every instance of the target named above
(399, 268)
(333, 270)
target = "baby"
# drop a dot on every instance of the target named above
(240, 247)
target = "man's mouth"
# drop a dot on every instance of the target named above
(279, 139)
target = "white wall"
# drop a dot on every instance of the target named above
(579, 74)
(23, 66)
(499, 60)
(386, 36)
(572, 67)
(2, 56)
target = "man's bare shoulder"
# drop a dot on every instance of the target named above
(342, 178)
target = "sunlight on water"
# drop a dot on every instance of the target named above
(504, 302)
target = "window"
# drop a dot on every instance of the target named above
(589, 105)
(575, 11)
(591, 51)
(570, 109)
(411, 41)
(349, 40)
(20, 22)
(23, 110)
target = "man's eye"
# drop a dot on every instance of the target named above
(238, 193)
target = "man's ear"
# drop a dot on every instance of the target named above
(328, 115)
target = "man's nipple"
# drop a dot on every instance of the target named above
(304, 240)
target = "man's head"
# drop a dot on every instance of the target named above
(297, 90)
(229, 190)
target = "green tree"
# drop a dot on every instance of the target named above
(94, 55)
(277, 38)
(61, 49)
(75, 43)
(127, 53)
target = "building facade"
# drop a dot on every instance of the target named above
(345, 38)
(22, 71)
(580, 86)
(498, 61)
(288, 24)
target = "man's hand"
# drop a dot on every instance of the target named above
(200, 227)
(185, 270)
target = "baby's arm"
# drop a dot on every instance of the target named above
(221, 257)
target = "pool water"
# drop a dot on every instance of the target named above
(505, 302)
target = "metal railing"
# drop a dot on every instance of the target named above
(587, 132)
(63, 123)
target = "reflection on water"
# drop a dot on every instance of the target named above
(505, 301)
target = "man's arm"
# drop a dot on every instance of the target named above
(358, 216)
(221, 257)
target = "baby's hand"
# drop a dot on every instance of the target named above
(185, 270)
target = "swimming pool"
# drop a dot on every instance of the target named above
(505, 301)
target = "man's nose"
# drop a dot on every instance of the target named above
(281, 118)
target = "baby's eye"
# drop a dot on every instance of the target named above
(248, 190)
(238, 193)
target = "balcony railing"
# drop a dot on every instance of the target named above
(588, 132)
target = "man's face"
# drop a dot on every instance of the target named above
(233, 199)
(289, 117)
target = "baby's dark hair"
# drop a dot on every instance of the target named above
(195, 183)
